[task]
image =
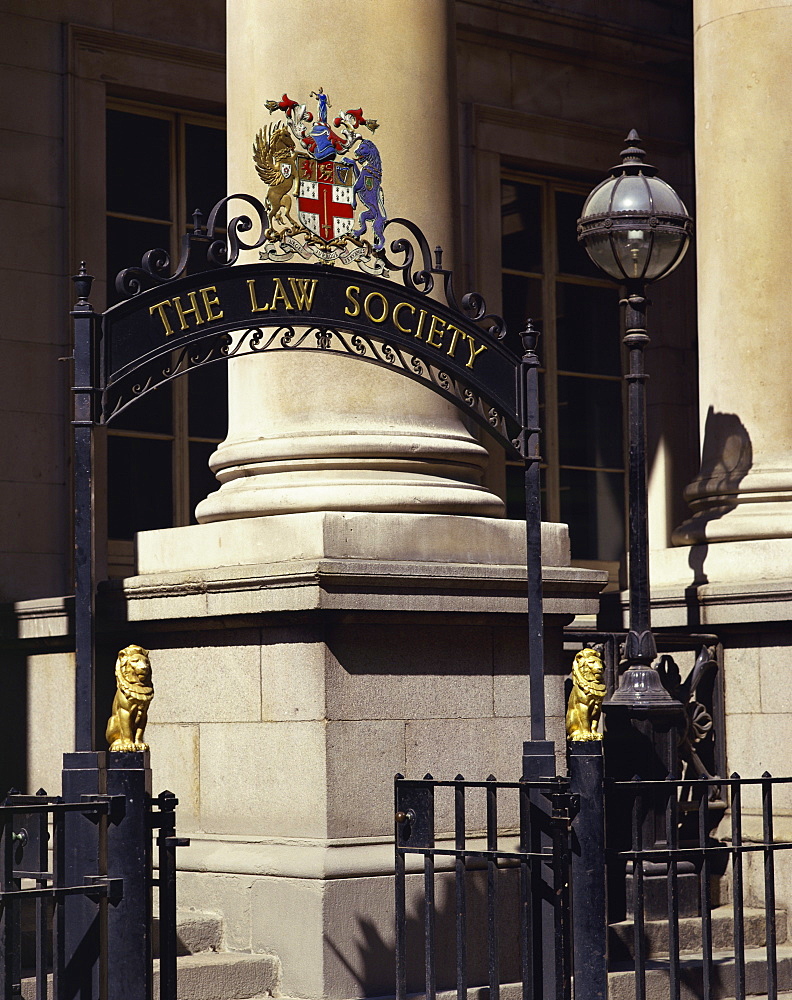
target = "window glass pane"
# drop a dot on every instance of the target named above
(588, 332)
(592, 504)
(202, 479)
(572, 257)
(127, 241)
(207, 389)
(590, 422)
(205, 157)
(141, 483)
(152, 412)
(522, 300)
(521, 226)
(138, 164)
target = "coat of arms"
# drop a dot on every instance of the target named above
(323, 183)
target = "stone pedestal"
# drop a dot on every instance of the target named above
(299, 662)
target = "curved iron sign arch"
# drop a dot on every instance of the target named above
(205, 310)
(257, 308)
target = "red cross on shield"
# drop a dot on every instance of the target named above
(325, 198)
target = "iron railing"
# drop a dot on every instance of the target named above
(38, 873)
(699, 861)
(508, 861)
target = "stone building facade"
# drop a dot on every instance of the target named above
(350, 604)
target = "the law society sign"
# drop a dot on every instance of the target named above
(220, 312)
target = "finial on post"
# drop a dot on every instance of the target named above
(438, 258)
(82, 284)
(530, 336)
(198, 224)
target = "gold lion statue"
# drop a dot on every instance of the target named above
(585, 698)
(131, 703)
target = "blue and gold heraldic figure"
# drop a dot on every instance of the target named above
(337, 172)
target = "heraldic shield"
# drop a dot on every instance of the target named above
(325, 198)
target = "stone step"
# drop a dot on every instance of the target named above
(621, 982)
(209, 976)
(621, 935)
(224, 976)
(196, 932)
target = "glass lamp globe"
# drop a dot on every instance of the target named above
(634, 226)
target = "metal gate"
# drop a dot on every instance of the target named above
(76, 874)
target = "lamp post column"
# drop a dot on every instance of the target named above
(636, 228)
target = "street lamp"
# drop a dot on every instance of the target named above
(636, 228)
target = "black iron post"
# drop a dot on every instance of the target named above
(129, 857)
(85, 393)
(640, 684)
(538, 752)
(589, 900)
(77, 930)
(636, 228)
(528, 399)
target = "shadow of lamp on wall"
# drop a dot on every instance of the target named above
(726, 458)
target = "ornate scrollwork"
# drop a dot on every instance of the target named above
(203, 247)
(211, 246)
(146, 376)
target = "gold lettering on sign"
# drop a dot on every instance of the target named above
(160, 308)
(352, 301)
(254, 306)
(369, 315)
(303, 290)
(192, 310)
(209, 302)
(474, 351)
(421, 318)
(280, 294)
(435, 327)
(455, 335)
(396, 310)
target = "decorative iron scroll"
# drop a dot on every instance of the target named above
(150, 373)
(212, 246)
(205, 310)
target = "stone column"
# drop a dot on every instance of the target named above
(325, 433)
(743, 147)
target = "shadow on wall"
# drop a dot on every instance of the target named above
(727, 456)
(369, 959)
(14, 755)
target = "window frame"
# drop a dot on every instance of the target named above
(121, 551)
(550, 277)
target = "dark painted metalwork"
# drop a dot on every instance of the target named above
(509, 881)
(199, 311)
(709, 857)
(589, 905)
(166, 331)
(528, 403)
(641, 687)
(167, 842)
(129, 855)
(86, 393)
(93, 878)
